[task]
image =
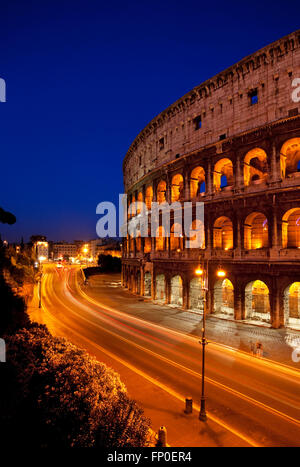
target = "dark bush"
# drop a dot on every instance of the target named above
(58, 396)
(109, 263)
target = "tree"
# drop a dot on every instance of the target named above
(7, 217)
(59, 396)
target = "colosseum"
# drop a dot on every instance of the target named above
(233, 143)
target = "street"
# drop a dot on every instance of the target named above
(254, 402)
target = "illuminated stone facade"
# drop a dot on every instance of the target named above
(234, 143)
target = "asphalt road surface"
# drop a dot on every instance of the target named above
(257, 401)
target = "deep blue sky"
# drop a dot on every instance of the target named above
(84, 77)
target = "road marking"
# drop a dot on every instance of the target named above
(234, 392)
(263, 362)
(157, 383)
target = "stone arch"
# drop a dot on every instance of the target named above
(224, 297)
(223, 233)
(132, 207)
(161, 191)
(256, 234)
(223, 171)
(257, 301)
(176, 292)
(149, 197)
(177, 188)
(291, 228)
(255, 167)
(147, 284)
(197, 182)
(289, 158)
(140, 201)
(160, 287)
(291, 300)
(196, 294)
(160, 239)
(176, 237)
(196, 235)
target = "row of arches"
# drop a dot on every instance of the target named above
(257, 298)
(255, 234)
(256, 170)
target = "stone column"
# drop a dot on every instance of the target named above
(186, 185)
(209, 179)
(274, 304)
(238, 306)
(275, 164)
(239, 176)
(142, 285)
(185, 294)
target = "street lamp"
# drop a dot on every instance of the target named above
(203, 274)
(41, 259)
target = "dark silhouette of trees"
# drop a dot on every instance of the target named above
(7, 217)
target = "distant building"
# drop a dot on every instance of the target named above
(42, 250)
(63, 249)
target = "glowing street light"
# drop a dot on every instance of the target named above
(204, 278)
(221, 273)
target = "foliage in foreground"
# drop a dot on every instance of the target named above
(56, 395)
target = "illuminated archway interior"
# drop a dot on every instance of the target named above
(292, 305)
(255, 167)
(224, 297)
(197, 182)
(177, 189)
(223, 233)
(223, 174)
(176, 291)
(291, 229)
(289, 158)
(256, 231)
(257, 301)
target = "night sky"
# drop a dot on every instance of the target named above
(84, 77)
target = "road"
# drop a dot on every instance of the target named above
(256, 401)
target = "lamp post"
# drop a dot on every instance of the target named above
(41, 259)
(204, 278)
(203, 273)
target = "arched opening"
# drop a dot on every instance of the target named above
(197, 182)
(149, 197)
(132, 207)
(256, 233)
(255, 167)
(292, 305)
(138, 282)
(291, 229)
(223, 233)
(176, 291)
(257, 301)
(176, 238)
(196, 294)
(160, 287)
(177, 188)
(223, 175)
(224, 297)
(161, 192)
(139, 203)
(147, 284)
(160, 239)
(290, 158)
(196, 235)
(138, 242)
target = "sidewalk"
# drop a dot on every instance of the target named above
(278, 344)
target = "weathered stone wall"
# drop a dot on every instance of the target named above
(224, 105)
